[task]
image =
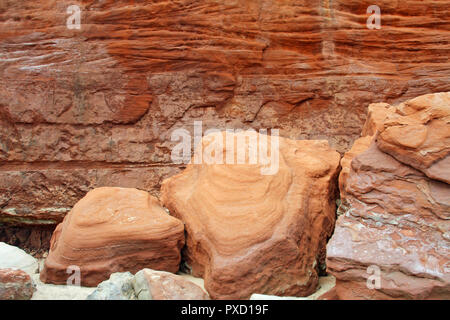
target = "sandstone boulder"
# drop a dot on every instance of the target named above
(392, 238)
(159, 285)
(15, 285)
(249, 232)
(113, 230)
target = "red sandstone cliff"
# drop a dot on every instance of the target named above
(96, 106)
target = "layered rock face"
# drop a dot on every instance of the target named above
(119, 286)
(418, 134)
(95, 106)
(392, 239)
(250, 229)
(113, 230)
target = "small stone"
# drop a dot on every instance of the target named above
(113, 230)
(15, 285)
(159, 285)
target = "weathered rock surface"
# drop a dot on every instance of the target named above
(119, 286)
(248, 232)
(159, 285)
(394, 218)
(16, 258)
(114, 230)
(95, 107)
(418, 134)
(33, 239)
(15, 285)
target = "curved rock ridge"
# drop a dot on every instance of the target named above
(113, 230)
(394, 222)
(247, 232)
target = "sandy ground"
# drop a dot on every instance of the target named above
(57, 292)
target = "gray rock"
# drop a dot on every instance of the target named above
(118, 287)
(15, 258)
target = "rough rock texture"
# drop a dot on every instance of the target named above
(96, 107)
(119, 286)
(418, 134)
(395, 218)
(159, 285)
(15, 285)
(16, 258)
(114, 230)
(252, 233)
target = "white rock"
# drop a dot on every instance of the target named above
(16, 258)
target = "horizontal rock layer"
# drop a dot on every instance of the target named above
(112, 92)
(35, 195)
